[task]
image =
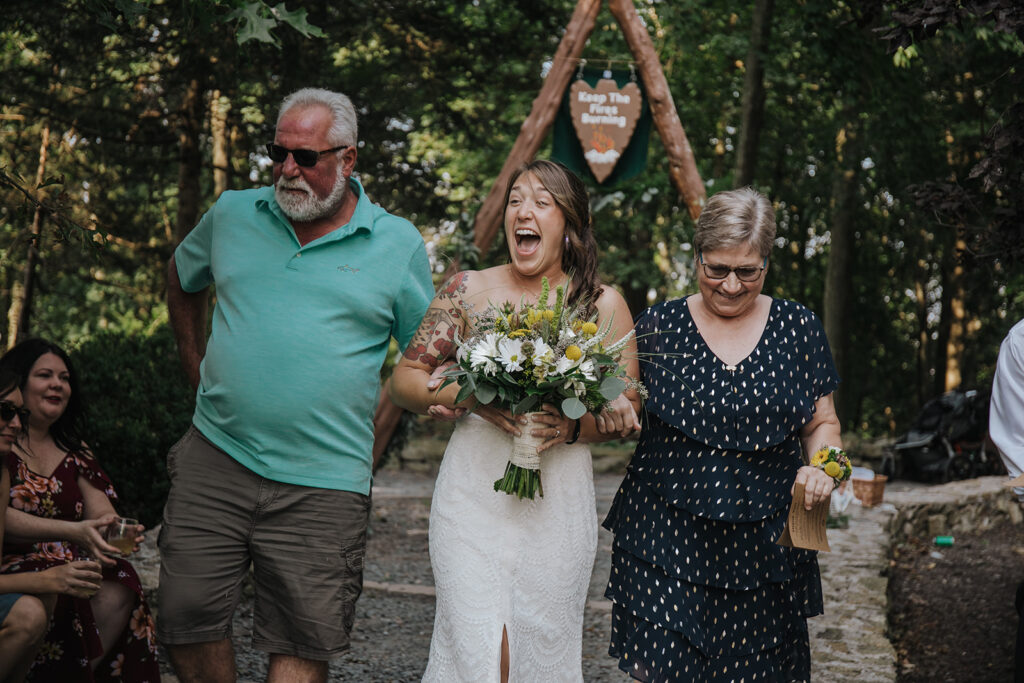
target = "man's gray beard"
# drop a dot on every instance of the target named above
(310, 208)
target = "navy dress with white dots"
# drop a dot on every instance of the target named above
(700, 589)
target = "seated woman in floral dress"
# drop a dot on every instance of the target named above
(27, 598)
(60, 502)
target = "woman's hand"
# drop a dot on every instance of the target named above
(79, 579)
(502, 419)
(818, 486)
(553, 425)
(618, 417)
(89, 537)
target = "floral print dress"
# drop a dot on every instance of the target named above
(73, 639)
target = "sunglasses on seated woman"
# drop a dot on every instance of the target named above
(743, 273)
(8, 410)
(303, 157)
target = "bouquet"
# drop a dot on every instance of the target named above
(834, 462)
(523, 356)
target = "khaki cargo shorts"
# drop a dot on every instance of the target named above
(305, 546)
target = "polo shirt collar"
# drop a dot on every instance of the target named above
(362, 217)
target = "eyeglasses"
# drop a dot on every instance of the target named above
(8, 410)
(303, 157)
(743, 273)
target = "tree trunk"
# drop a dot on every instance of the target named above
(191, 160)
(753, 95)
(839, 269)
(957, 319)
(924, 383)
(19, 316)
(682, 167)
(944, 333)
(219, 108)
(239, 167)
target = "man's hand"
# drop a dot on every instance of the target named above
(439, 411)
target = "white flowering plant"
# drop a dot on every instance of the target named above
(523, 356)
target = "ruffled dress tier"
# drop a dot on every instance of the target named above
(700, 589)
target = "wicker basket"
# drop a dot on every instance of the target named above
(869, 491)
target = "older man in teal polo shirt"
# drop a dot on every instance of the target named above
(312, 281)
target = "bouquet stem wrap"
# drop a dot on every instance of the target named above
(522, 473)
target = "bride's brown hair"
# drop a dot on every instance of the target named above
(579, 250)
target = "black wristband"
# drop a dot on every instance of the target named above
(575, 433)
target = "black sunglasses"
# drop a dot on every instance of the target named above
(743, 273)
(8, 410)
(303, 157)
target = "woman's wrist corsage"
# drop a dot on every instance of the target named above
(834, 462)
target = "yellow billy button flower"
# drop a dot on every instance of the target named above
(589, 329)
(833, 469)
(573, 352)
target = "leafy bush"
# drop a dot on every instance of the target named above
(138, 403)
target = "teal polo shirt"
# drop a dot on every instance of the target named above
(291, 376)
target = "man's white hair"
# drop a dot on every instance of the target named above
(344, 130)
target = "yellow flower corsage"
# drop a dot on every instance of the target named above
(834, 462)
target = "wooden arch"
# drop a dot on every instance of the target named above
(682, 167)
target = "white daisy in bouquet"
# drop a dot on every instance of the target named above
(524, 356)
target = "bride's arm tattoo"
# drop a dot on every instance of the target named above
(434, 341)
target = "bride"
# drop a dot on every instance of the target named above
(512, 574)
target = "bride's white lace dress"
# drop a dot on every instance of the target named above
(501, 561)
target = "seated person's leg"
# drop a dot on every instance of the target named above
(23, 623)
(111, 607)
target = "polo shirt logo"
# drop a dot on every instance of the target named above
(348, 269)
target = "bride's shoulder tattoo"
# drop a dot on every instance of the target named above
(434, 341)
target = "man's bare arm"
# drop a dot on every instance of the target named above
(188, 320)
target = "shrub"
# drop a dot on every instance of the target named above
(138, 403)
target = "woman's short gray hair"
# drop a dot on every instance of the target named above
(344, 130)
(735, 218)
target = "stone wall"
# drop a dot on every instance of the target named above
(950, 509)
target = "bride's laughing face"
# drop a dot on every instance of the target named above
(534, 228)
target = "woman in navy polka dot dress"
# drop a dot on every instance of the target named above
(740, 394)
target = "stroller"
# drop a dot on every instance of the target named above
(946, 442)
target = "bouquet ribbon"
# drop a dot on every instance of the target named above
(524, 450)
